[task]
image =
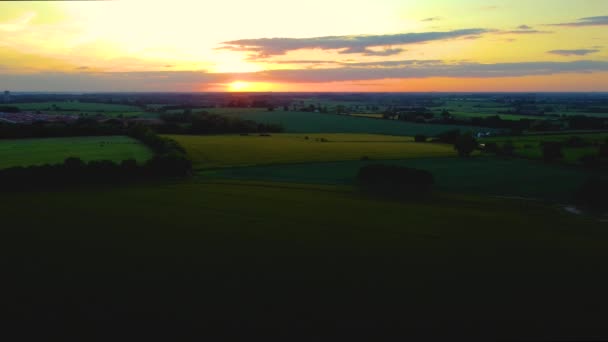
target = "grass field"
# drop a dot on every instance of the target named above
(485, 108)
(529, 146)
(305, 122)
(174, 260)
(86, 109)
(230, 150)
(478, 175)
(25, 152)
(76, 106)
(370, 115)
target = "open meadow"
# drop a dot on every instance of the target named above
(236, 150)
(26, 152)
(191, 255)
(85, 109)
(309, 122)
(477, 175)
(76, 106)
(530, 146)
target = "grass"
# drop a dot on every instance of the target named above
(369, 115)
(529, 146)
(26, 152)
(180, 259)
(305, 122)
(77, 106)
(230, 150)
(478, 175)
(487, 108)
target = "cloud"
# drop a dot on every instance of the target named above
(432, 19)
(190, 80)
(353, 64)
(579, 52)
(266, 47)
(304, 61)
(588, 21)
(18, 24)
(435, 69)
(523, 29)
(368, 52)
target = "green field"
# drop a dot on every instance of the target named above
(76, 106)
(260, 256)
(529, 146)
(232, 150)
(86, 109)
(370, 115)
(475, 108)
(478, 175)
(26, 152)
(305, 122)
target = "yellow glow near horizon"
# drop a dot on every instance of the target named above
(99, 41)
(239, 86)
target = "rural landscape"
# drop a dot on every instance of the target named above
(245, 204)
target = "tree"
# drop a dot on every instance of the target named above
(603, 151)
(449, 137)
(508, 148)
(420, 138)
(465, 145)
(491, 147)
(394, 181)
(592, 194)
(552, 151)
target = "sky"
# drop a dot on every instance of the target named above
(313, 45)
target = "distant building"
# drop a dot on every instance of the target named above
(7, 96)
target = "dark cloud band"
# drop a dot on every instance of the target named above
(265, 47)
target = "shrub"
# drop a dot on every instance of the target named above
(576, 142)
(465, 145)
(420, 138)
(603, 150)
(491, 147)
(394, 181)
(449, 137)
(590, 161)
(508, 149)
(593, 194)
(552, 151)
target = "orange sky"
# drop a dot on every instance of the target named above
(278, 45)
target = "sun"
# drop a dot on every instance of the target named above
(239, 86)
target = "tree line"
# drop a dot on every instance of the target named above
(188, 122)
(169, 161)
(182, 123)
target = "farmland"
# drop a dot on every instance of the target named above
(85, 109)
(25, 152)
(231, 150)
(212, 254)
(271, 230)
(530, 146)
(76, 106)
(478, 175)
(306, 122)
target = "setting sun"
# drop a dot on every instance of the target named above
(239, 86)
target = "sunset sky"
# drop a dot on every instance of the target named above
(313, 45)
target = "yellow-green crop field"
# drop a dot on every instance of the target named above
(27, 152)
(235, 150)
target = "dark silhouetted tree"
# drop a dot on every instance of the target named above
(465, 145)
(552, 151)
